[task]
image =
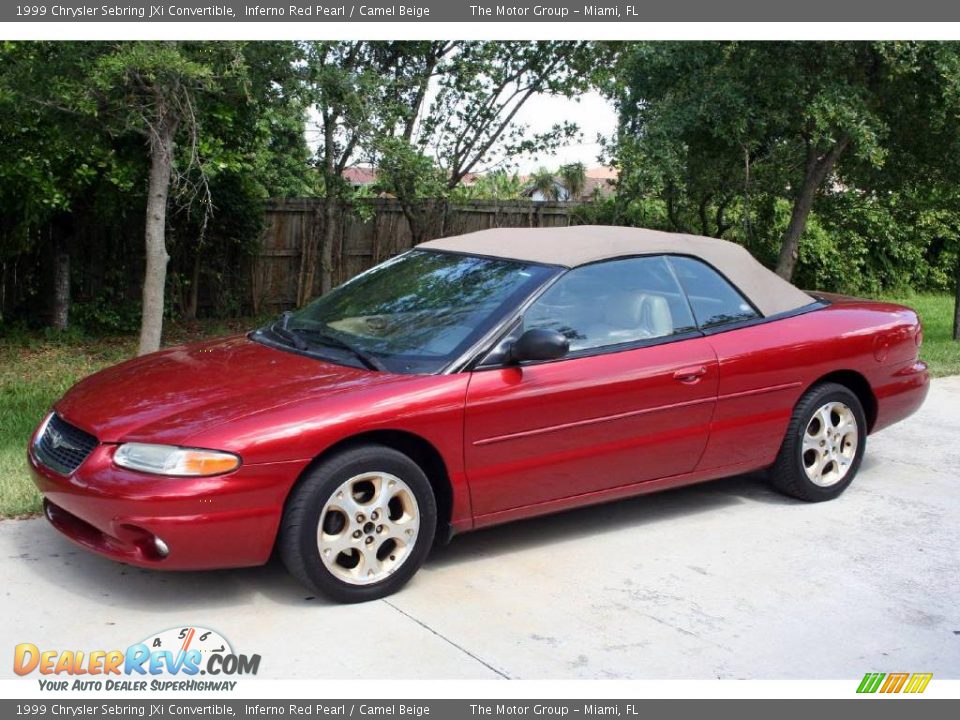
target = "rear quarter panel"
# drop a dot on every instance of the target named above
(765, 368)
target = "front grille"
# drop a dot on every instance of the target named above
(63, 447)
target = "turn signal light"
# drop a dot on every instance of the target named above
(175, 461)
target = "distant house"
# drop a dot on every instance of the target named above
(366, 176)
(599, 182)
(360, 176)
(560, 193)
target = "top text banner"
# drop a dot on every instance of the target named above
(472, 11)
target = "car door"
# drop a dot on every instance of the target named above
(760, 367)
(632, 401)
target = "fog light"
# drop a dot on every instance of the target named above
(161, 546)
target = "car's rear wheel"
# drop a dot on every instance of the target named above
(359, 525)
(824, 444)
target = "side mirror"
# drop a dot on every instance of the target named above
(539, 344)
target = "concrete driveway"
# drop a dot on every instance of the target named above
(725, 580)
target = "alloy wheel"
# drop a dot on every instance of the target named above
(830, 444)
(368, 528)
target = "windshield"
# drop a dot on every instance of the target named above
(412, 314)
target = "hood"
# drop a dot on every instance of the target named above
(170, 395)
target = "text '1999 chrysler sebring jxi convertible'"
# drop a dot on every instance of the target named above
(470, 381)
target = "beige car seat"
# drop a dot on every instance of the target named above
(633, 315)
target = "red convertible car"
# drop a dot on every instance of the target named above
(471, 381)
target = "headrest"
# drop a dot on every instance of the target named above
(624, 309)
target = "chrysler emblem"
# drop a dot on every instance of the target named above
(58, 441)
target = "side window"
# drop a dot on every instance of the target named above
(714, 300)
(614, 302)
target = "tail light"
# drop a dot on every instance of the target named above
(918, 338)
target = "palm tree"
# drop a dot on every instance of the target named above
(501, 185)
(574, 179)
(544, 182)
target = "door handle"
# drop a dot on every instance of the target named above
(690, 375)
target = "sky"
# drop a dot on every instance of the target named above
(591, 112)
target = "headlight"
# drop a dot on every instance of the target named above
(172, 460)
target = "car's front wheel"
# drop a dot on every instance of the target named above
(359, 525)
(824, 444)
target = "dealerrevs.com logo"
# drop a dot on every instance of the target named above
(170, 660)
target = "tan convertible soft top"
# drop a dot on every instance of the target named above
(583, 244)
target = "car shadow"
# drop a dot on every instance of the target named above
(606, 518)
(101, 580)
(110, 583)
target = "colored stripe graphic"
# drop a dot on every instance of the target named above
(894, 683)
(870, 682)
(918, 682)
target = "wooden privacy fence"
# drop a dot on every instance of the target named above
(365, 236)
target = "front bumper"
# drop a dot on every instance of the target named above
(213, 522)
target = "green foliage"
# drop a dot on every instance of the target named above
(573, 177)
(74, 118)
(426, 147)
(646, 212)
(545, 182)
(103, 314)
(470, 122)
(720, 138)
(216, 247)
(405, 171)
(496, 185)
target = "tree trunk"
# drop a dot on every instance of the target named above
(326, 248)
(331, 183)
(815, 172)
(155, 276)
(61, 284)
(416, 220)
(193, 297)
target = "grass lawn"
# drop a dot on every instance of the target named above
(36, 370)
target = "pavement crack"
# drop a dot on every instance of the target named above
(449, 641)
(684, 631)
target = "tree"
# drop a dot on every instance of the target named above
(413, 177)
(496, 185)
(711, 113)
(50, 168)
(253, 147)
(544, 182)
(715, 130)
(469, 125)
(195, 108)
(148, 89)
(362, 93)
(573, 176)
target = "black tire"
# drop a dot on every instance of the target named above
(297, 542)
(788, 474)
